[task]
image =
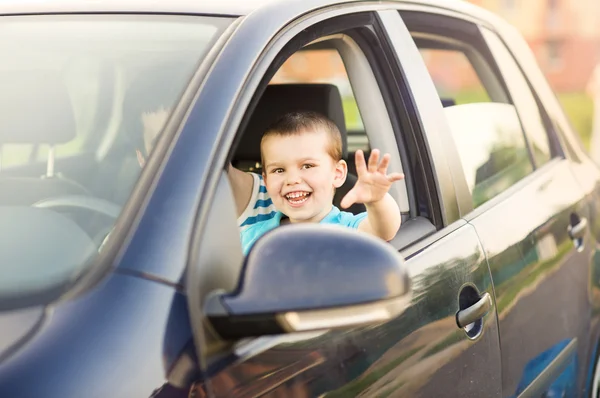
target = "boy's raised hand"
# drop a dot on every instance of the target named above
(373, 181)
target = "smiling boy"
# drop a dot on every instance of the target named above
(302, 167)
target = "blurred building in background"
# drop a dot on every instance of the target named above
(563, 34)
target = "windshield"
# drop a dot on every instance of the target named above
(82, 99)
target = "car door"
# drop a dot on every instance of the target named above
(551, 290)
(435, 348)
(528, 210)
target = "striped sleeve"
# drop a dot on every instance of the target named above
(260, 208)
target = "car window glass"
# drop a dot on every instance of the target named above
(523, 98)
(112, 84)
(15, 154)
(484, 123)
(455, 89)
(89, 84)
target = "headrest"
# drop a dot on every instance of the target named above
(35, 108)
(279, 99)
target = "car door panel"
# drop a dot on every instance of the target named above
(587, 174)
(540, 279)
(421, 353)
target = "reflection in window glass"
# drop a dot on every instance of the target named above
(111, 84)
(524, 99)
(485, 124)
(491, 147)
(454, 77)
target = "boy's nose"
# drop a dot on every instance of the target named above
(293, 178)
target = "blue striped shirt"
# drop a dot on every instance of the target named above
(260, 208)
(250, 235)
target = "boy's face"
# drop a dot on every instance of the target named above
(300, 175)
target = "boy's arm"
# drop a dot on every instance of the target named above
(383, 214)
(241, 184)
(383, 218)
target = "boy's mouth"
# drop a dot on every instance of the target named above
(297, 198)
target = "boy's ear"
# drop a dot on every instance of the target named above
(341, 172)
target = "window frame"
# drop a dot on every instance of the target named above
(424, 16)
(430, 133)
(328, 28)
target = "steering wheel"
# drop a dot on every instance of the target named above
(90, 203)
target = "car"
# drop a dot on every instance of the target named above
(122, 270)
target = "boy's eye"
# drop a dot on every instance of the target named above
(277, 171)
(308, 166)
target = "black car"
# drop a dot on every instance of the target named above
(122, 273)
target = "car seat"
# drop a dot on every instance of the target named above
(35, 108)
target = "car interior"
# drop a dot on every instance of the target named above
(54, 124)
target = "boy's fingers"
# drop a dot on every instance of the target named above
(359, 162)
(395, 177)
(385, 161)
(373, 160)
(349, 199)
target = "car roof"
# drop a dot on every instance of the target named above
(217, 7)
(206, 7)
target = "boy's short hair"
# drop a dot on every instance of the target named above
(298, 122)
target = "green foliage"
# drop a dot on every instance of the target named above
(579, 109)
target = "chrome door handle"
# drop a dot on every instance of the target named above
(475, 312)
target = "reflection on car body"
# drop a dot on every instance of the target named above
(490, 288)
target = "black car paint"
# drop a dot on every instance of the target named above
(118, 340)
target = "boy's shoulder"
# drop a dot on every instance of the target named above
(260, 206)
(345, 218)
(252, 232)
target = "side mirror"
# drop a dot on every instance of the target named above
(312, 277)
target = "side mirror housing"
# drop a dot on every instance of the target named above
(312, 277)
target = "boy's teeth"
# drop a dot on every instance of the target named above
(296, 195)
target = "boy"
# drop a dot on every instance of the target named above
(302, 166)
